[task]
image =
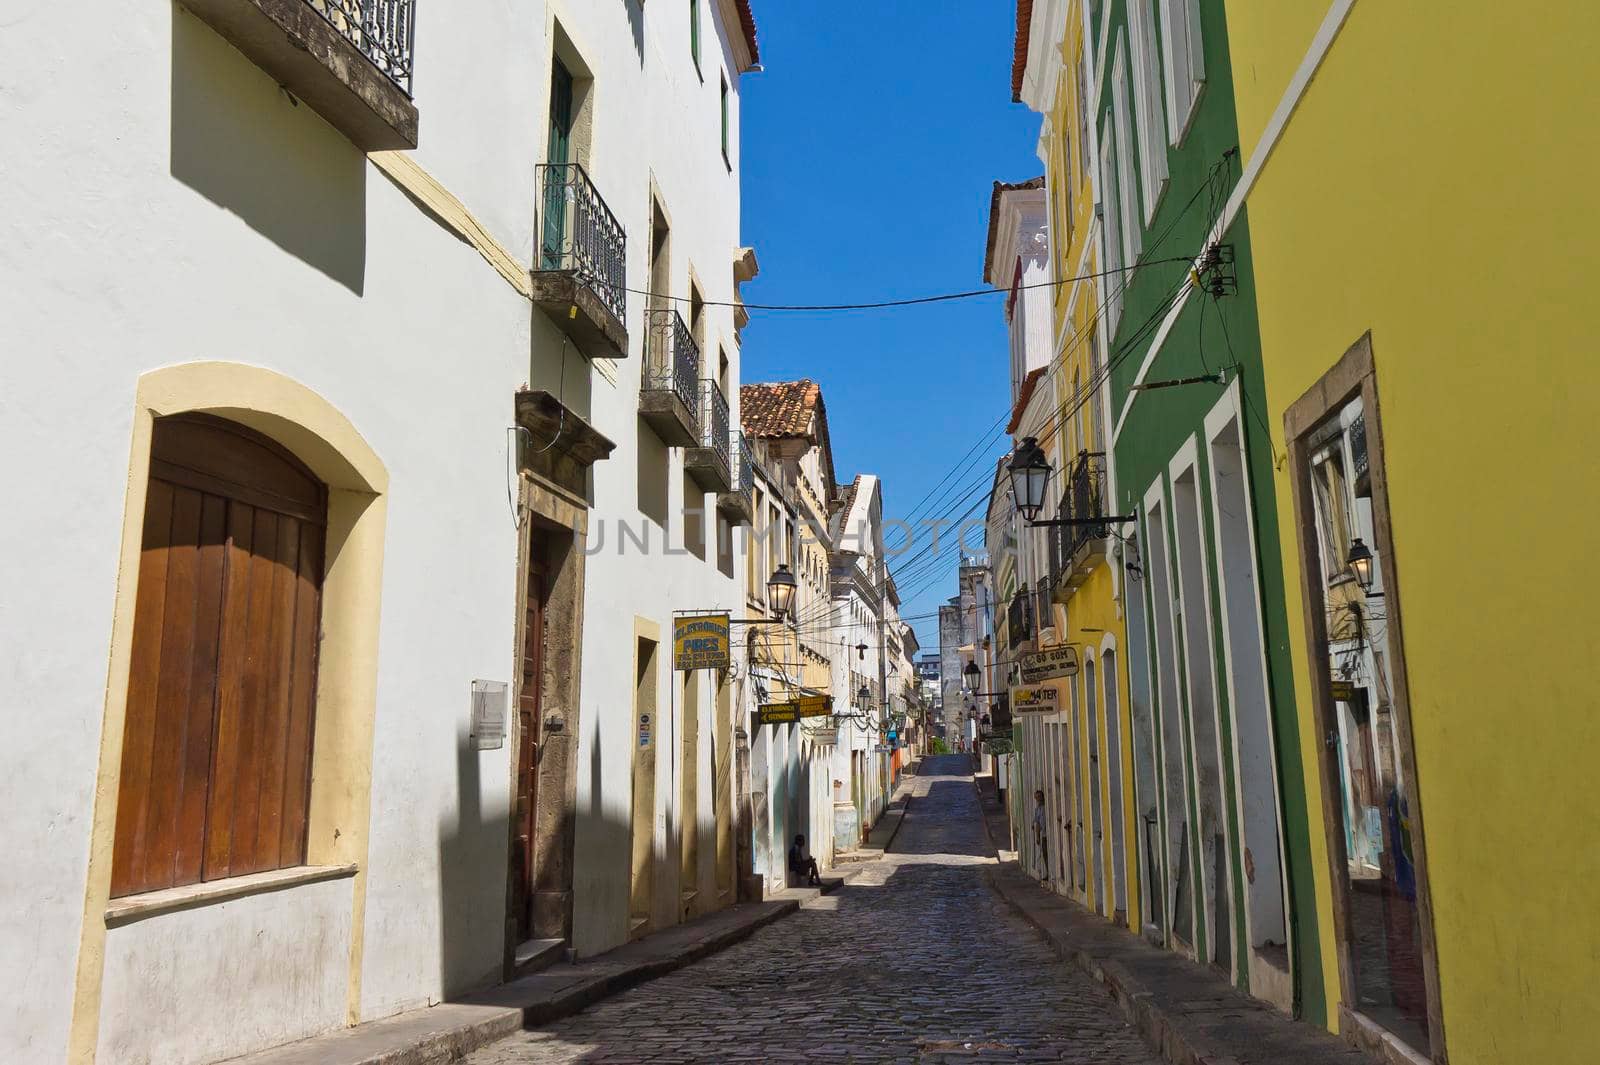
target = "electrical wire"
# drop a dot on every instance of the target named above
(875, 305)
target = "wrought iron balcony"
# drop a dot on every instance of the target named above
(710, 462)
(739, 504)
(670, 399)
(348, 60)
(1075, 547)
(1019, 619)
(1044, 615)
(381, 30)
(580, 278)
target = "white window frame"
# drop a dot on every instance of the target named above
(1183, 64)
(1128, 204)
(1147, 94)
(1111, 229)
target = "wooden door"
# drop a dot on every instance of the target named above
(216, 755)
(528, 731)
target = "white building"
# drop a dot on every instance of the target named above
(791, 779)
(862, 766)
(348, 437)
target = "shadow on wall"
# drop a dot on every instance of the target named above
(654, 466)
(472, 882)
(244, 144)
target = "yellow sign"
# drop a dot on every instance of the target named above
(701, 642)
(1035, 699)
(795, 709)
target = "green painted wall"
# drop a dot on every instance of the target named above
(1209, 336)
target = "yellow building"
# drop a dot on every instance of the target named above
(1092, 822)
(1418, 182)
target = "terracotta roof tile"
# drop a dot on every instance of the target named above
(747, 20)
(1024, 394)
(782, 408)
(1019, 53)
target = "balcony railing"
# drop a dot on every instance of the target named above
(1085, 499)
(1019, 618)
(669, 396)
(579, 235)
(381, 30)
(714, 434)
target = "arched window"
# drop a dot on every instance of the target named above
(216, 756)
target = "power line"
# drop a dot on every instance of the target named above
(875, 305)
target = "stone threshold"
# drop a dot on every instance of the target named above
(450, 1031)
(1187, 1014)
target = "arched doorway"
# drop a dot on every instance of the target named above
(216, 757)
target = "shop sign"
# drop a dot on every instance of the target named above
(701, 642)
(1035, 699)
(824, 737)
(1049, 663)
(647, 730)
(787, 713)
(1343, 691)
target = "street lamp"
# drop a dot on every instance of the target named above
(1030, 472)
(1359, 563)
(861, 651)
(969, 677)
(864, 697)
(780, 591)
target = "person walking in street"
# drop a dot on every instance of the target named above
(1040, 836)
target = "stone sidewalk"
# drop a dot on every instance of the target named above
(449, 1031)
(1190, 1015)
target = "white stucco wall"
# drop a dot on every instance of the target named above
(173, 204)
(656, 124)
(274, 970)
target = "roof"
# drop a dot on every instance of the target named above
(774, 409)
(780, 408)
(1000, 189)
(747, 21)
(1019, 52)
(1024, 394)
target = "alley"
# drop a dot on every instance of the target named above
(915, 959)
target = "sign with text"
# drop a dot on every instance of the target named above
(787, 713)
(701, 642)
(1035, 699)
(1049, 664)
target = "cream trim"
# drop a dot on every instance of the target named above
(416, 182)
(131, 908)
(325, 440)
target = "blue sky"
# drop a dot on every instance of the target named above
(870, 145)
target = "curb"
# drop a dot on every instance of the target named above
(1176, 1032)
(448, 1032)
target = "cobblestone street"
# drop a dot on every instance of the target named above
(914, 960)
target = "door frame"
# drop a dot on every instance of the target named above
(1355, 374)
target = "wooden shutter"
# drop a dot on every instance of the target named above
(216, 756)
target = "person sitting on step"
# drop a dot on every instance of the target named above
(799, 863)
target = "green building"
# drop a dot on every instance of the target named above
(1222, 821)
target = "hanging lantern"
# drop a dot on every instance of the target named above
(1030, 472)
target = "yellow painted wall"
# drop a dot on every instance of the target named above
(1093, 610)
(1435, 186)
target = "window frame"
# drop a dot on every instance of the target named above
(1183, 68)
(1150, 114)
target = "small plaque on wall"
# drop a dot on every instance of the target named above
(488, 715)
